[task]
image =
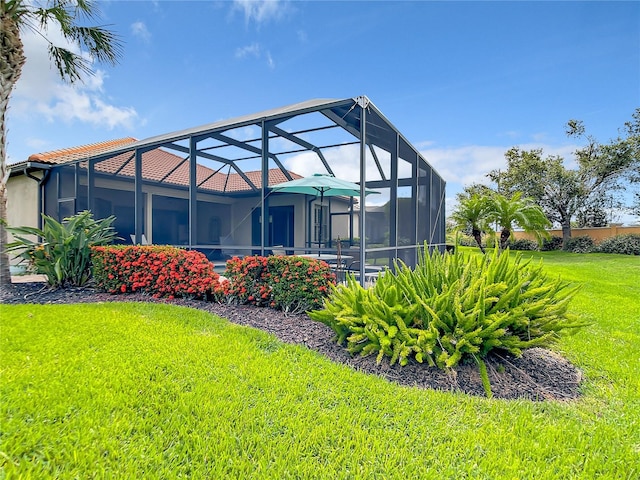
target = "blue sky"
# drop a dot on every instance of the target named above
(463, 81)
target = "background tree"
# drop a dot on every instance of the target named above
(470, 215)
(635, 207)
(68, 16)
(603, 170)
(519, 211)
(598, 212)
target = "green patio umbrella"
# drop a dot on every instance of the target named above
(323, 185)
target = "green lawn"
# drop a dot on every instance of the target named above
(158, 391)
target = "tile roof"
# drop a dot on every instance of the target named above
(159, 165)
(65, 155)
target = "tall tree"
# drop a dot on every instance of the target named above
(562, 192)
(68, 16)
(517, 211)
(635, 207)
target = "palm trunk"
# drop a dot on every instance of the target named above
(11, 61)
(477, 234)
(505, 235)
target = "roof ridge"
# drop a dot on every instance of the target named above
(80, 151)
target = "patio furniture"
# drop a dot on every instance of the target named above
(371, 272)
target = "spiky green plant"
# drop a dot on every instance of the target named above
(451, 308)
(62, 251)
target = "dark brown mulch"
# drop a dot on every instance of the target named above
(538, 375)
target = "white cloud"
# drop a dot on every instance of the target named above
(470, 164)
(140, 30)
(253, 50)
(40, 91)
(458, 166)
(345, 164)
(261, 11)
(256, 50)
(462, 166)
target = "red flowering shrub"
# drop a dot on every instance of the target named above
(292, 284)
(247, 281)
(299, 283)
(158, 271)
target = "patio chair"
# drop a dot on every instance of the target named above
(143, 239)
(371, 272)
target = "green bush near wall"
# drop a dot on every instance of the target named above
(627, 244)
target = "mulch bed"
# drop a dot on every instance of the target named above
(538, 375)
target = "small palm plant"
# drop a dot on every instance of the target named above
(523, 212)
(64, 252)
(471, 215)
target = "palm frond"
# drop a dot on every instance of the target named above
(98, 42)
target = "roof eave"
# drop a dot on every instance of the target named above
(24, 167)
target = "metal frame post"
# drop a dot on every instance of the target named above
(193, 191)
(393, 201)
(363, 177)
(138, 198)
(264, 230)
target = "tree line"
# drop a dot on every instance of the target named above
(534, 190)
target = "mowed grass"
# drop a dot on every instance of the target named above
(158, 391)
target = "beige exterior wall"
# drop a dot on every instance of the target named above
(597, 233)
(22, 203)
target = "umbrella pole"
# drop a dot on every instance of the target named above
(320, 218)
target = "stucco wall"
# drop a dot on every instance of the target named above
(597, 234)
(22, 203)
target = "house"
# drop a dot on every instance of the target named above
(205, 187)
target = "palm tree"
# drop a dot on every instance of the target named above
(67, 15)
(523, 212)
(471, 215)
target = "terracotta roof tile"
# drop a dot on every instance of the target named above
(76, 153)
(159, 165)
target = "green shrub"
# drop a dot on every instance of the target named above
(551, 243)
(288, 283)
(154, 270)
(582, 244)
(466, 241)
(64, 252)
(627, 244)
(523, 244)
(451, 308)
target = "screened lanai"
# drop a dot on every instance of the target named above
(206, 187)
